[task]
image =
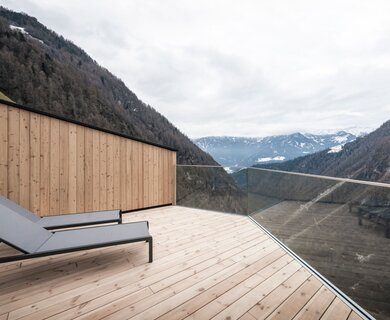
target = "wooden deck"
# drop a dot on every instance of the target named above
(207, 265)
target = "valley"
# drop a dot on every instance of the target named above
(246, 152)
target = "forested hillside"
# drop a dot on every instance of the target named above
(42, 70)
(366, 158)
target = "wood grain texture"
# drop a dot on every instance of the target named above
(102, 170)
(24, 160)
(13, 155)
(117, 173)
(110, 171)
(35, 164)
(206, 265)
(54, 187)
(80, 171)
(4, 151)
(88, 175)
(72, 172)
(122, 171)
(51, 166)
(64, 166)
(44, 181)
(128, 170)
(95, 170)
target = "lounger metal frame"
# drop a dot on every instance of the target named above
(25, 255)
(119, 221)
(49, 253)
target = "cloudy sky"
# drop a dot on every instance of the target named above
(244, 68)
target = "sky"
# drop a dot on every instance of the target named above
(239, 68)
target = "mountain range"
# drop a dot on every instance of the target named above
(366, 158)
(244, 152)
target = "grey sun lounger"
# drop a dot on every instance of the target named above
(67, 220)
(35, 241)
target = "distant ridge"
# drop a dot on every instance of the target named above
(366, 158)
(241, 151)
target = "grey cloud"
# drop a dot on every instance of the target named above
(250, 68)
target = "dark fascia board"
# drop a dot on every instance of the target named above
(19, 106)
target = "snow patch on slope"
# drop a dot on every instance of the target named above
(336, 149)
(228, 170)
(266, 159)
(340, 139)
(23, 31)
(20, 29)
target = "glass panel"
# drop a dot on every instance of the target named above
(211, 188)
(340, 227)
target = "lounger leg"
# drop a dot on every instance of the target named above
(150, 250)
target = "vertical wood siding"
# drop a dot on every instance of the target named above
(51, 166)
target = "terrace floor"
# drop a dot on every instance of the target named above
(206, 265)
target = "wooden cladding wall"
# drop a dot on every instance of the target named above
(51, 166)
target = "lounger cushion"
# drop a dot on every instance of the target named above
(19, 209)
(79, 219)
(65, 221)
(20, 232)
(95, 236)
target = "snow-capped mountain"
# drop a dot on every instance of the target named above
(366, 158)
(241, 151)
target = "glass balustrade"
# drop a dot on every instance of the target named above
(341, 227)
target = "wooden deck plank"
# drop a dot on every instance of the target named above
(247, 316)
(27, 264)
(4, 316)
(338, 310)
(91, 289)
(354, 316)
(295, 302)
(67, 299)
(198, 247)
(182, 274)
(316, 307)
(206, 265)
(267, 305)
(203, 247)
(166, 305)
(215, 297)
(120, 299)
(248, 300)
